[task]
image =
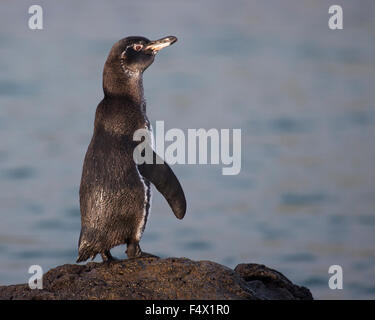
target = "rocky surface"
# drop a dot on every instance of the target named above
(155, 278)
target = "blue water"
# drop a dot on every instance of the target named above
(302, 94)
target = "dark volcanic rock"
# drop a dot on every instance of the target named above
(271, 284)
(154, 278)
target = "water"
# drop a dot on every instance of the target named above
(302, 94)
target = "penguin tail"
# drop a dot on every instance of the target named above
(82, 256)
(84, 249)
(85, 255)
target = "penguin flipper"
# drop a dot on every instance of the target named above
(165, 181)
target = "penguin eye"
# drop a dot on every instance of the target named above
(137, 47)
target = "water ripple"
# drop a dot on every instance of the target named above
(19, 173)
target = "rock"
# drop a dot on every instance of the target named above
(155, 278)
(271, 284)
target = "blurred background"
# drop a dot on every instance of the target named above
(302, 94)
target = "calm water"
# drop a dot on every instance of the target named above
(302, 94)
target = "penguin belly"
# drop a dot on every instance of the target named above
(115, 203)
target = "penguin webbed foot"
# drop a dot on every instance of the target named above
(134, 251)
(148, 255)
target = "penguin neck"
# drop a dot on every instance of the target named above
(126, 84)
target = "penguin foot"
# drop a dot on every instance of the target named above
(107, 256)
(133, 250)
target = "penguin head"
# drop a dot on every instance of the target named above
(126, 62)
(136, 54)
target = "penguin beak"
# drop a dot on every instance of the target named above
(157, 45)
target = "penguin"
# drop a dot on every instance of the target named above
(115, 191)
